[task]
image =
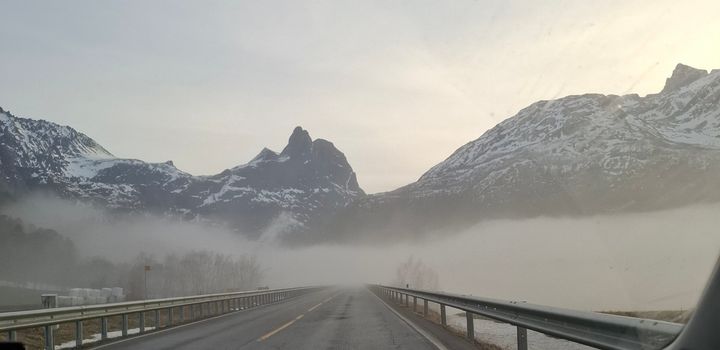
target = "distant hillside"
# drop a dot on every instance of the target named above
(577, 155)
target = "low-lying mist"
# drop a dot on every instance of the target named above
(120, 238)
(641, 261)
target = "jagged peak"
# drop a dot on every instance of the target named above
(299, 143)
(683, 75)
(265, 154)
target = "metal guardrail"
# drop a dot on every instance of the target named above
(198, 307)
(598, 330)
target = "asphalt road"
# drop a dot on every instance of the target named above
(351, 318)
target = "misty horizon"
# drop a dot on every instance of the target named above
(375, 175)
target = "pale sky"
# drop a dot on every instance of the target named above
(396, 85)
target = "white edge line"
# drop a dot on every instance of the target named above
(431, 338)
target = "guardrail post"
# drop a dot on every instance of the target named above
(141, 321)
(443, 316)
(425, 308)
(78, 334)
(522, 338)
(124, 325)
(182, 314)
(12, 335)
(407, 300)
(103, 328)
(49, 341)
(414, 304)
(157, 319)
(192, 312)
(170, 316)
(470, 326)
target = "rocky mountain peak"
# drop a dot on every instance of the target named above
(683, 75)
(264, 155)
(298, 144)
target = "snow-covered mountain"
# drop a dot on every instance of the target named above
(307, 181)
(576, 155)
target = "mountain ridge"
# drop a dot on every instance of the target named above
(576, 155)
(306, 180)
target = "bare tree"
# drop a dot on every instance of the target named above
(198, 272)
(415, 274)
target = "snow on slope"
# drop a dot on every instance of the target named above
(616, 132)
(307, 179)
(577, 155)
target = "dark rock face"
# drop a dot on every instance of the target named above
(307, 182)
(683, 76)
(310, 179)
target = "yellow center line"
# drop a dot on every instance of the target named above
(264, 337)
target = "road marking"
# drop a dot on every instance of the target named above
(266, 336)
(314, 307)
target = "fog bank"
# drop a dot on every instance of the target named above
(642, 261)
(646, 261)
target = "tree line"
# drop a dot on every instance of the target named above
(36, 255)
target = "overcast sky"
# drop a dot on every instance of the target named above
(396, 85)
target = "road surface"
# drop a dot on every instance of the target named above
(350, 318)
